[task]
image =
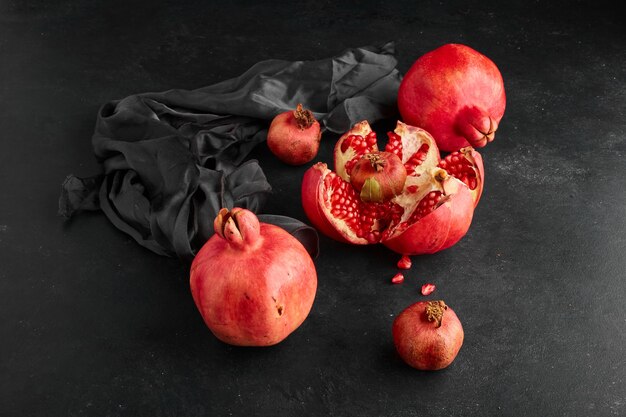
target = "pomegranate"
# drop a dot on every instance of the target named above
(294, 136)
(456, 94)
(378, 177)
(428, 335)
(252, 282)
(432, 212)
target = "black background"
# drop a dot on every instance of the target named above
(93, 324)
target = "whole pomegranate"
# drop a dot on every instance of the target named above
(378, 177)
(432, 212)
(456, 94)
(428, 335)
(252, 282)
(294, 136)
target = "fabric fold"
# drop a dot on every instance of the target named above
(170, 160)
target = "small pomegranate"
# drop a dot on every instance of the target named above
(378, 177)
(253, 283)
(432, 212)
(456, 94)
(428, 335)
(294, 136)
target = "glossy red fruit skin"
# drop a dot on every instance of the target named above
(423, 345)
(440, 229)
(291, 143)
(455, 93)
(256, 288)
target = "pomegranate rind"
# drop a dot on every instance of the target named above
(317, 207)
(361, 128)
(413, 138)
(477, 160)
(441, 228)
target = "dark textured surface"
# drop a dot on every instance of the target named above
(93, 324)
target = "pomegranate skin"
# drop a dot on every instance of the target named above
(456, 94)
(423, 345)
(253, 288)
(440, 229)
(294, 136)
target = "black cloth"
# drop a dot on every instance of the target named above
(172, 159)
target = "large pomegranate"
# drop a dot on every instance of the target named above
(252, 282)
(428, 335)
(433, 211)
(456, 94)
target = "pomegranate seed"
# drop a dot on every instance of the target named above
(427, 289)
(346, 143)
(397, 278)
(404, 262)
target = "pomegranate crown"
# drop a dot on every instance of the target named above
(239, 227)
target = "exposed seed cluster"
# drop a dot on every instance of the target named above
(361, 146)
(363, 218)
(426, 205)
(394, 145)
(460, 167)
(373, 221)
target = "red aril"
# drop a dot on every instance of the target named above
(456, 94)
(428, 289)
(404, 262)
(432, 212)
(252, 282)
(397, 278)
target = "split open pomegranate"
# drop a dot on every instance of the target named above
(432, 212)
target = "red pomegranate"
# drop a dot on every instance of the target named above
(378, 177)
(294, 136)
(433, 211)
(253, 283)
(428, 335)
(456, 94)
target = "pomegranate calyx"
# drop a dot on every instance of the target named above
(434, 311)
(239, 227)
(476, 126)
(378, 163)
(304, 118)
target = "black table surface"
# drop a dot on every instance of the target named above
(94, 324)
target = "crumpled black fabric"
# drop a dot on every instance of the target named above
(172, 159)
